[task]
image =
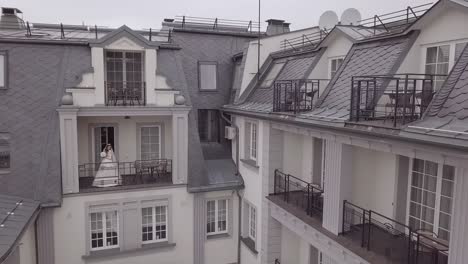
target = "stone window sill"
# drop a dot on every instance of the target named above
(250, 244)
(105, 253)
(250, 162)
(217, 236)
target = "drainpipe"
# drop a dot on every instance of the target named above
(239, 233)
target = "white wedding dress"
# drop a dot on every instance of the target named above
(108, 173)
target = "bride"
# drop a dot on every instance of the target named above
(108, 173)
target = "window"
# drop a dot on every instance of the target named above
(104, 230)
(3, 69)
(150, 141)
(437, 62)
(431, 197)
(4, 152)
(216, 213)
(334, 66)
(251, 141)
(154, 224)
(252, 222)
(459, 49)
(209, 125)
(207, 76)
(271, 75)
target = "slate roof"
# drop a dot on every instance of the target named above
(296, 67)
(38, 75)
(221, 176)
(447, 115)
(15, 215)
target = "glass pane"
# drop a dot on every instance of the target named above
(431, 55)
(418, 165)
(459, 49)
(207, 76)
(429, 199)
(415, 210)
(271, 75)
(443, 234)
(416, 195)
(431, 168)
(445, 205)
(430, 69)
(442, 69)
(430, 183)
(444, 221)
(427, 214)
(444, 53)
(417, 180)
(447, 188)
(448, 172)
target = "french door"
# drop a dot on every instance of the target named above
(431, 192)
(103, 135)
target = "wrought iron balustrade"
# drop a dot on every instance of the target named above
(398, 242)
(104, 174)
(125, 93)
(296, 95)
(393, 99)
(307, 196)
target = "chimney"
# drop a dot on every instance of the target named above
(276, 26)
(10, 18)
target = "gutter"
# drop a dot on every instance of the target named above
(239, 197)
(303, 122)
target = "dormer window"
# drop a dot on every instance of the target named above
(124, 78)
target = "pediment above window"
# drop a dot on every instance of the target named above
(124, 38)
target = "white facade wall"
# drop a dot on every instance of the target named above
(374, 178)
(448, 27)
(70, 224)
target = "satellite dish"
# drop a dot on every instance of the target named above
(328, 20)
(351, 16)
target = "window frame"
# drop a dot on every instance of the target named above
(438, 194)
(330, 67)
(5, 142)
(140, 141)
(153, 224)
(252, 223)
(199, 64)
(103, 213)
(266, 74)
(216, 211)
(124, 65)
(5, 86)
(253, 151)
(452, 52)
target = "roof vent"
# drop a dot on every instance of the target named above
(10, 18)
(276, 26)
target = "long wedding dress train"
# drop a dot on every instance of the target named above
(108, 173)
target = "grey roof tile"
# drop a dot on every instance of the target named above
(12, 225)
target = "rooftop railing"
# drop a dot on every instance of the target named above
(107, 174)
(216, 24)
(310, 39)
(295, 191)
(125, 93)
(297, 95)
(391, 99)
(395, 241)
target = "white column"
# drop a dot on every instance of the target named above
(179, 147)
(338, 182)
(458, 253)
(97, 60)
(272, 150)
(150, 75)
(69, 149)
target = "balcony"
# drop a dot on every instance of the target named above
(296, 95)
(125, 93)
(394, 241)
(304, 196)
(391, 100)
(140, 172)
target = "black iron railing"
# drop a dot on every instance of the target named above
(125, 93)
(396, 99)
(216, 24)
(398, 242)
(310, 39)
(106, 174)
(300, 193)
(296, 95)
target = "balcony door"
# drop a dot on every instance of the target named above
(103, 135)
(124, 76)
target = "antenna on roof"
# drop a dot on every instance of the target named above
(328, 20)
(350, 16)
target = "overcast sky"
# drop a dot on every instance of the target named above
(140, 14)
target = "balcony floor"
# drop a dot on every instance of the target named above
(345, 241)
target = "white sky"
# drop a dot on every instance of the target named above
(140, 14)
